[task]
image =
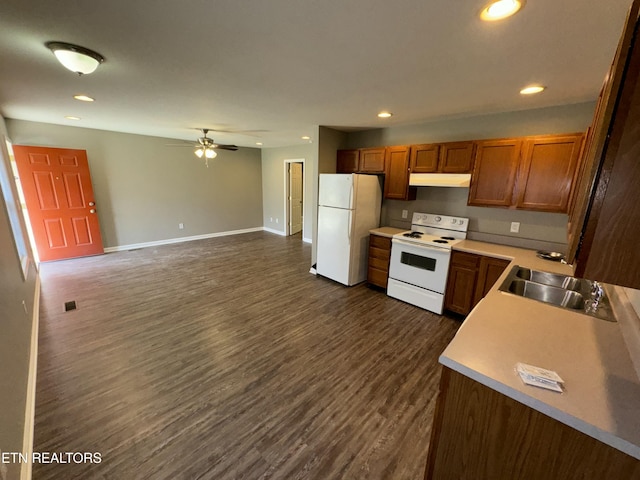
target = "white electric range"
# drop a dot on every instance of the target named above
(420, 259)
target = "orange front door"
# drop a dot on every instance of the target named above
(59, 196)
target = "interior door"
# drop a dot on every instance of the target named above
(59, 197)
(295, 198)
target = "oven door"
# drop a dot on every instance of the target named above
(420, 265)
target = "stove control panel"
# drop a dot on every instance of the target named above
(442, 221)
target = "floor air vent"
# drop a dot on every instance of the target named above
(68, 306)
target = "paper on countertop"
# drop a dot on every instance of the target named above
(539, 377)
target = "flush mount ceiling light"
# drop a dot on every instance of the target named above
(75, 58)
(84, 98)
(385, 114)
(532, 89)
(71, 117)
(500, 9)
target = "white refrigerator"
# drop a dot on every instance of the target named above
(348, 207)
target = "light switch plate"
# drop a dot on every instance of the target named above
(405, 213)
(515, 227)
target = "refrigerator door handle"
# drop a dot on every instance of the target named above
(349, 229)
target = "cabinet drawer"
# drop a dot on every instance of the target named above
(380, 242)
(465, 259)
(377, 277)
(383, 254)
(379, 263)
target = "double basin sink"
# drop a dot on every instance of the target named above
(576, 294)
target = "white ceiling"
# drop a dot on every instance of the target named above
(279, 68)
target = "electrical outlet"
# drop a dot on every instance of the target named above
(515, 227)
(181, 226)
(277, 220)
(405, 213)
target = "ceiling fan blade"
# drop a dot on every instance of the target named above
(226, 147)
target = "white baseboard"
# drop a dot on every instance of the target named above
(169, 241)
(30, 403)
(307, 240)
(277, 232)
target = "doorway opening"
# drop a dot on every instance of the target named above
(295, 196)
(16, 207)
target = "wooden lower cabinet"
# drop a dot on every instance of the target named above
(461, 282)
(470, 277)
(379, 257)
(481, 434)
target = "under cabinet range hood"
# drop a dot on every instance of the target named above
(440, 179)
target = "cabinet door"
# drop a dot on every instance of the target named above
(456, 157)
(424, 158)
(461, 283)
(546, 176)
(494, 172)
(488, 274)
(461, 286)
(372, 160)
(396, 181)
(347, 161)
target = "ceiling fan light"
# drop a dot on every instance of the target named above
(210, 153)
(75, 58)
(199, 152)
(499, 9)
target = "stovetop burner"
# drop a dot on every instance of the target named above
(435, 231)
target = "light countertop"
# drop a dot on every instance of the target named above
(387, 231)
(602, 388)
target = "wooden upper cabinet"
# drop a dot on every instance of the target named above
(424, 158)
(452, 157)
(547, 172)
(456, 157)
(396, 182)
(494, 172)
(347, 161)
(372, 160)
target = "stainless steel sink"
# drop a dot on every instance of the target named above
(553, 279)
(576, 294)
(557, 296)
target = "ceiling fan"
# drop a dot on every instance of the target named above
(206, 147)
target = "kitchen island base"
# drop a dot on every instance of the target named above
(479, 433)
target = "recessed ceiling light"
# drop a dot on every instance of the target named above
(385, 114)
(500, 9)
(258, 143)
(84, 98)
(306, 137)
(531, 89)
(71, 117)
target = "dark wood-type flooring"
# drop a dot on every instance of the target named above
(226, 359)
